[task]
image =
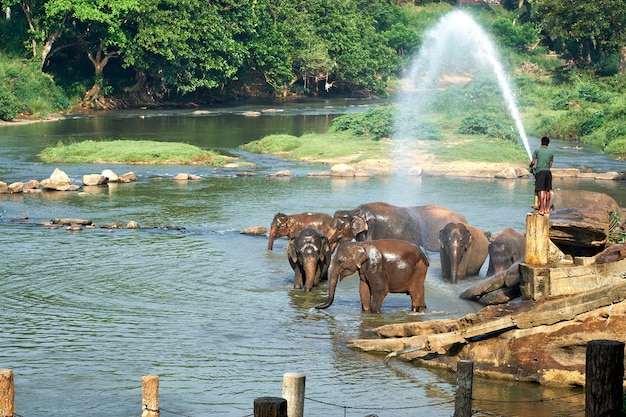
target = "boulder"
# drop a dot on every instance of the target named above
(507, 174)
(181, 177)
(611, 175)
(565, 172)
(4, 188)
(254, 230)
(416, 171)
(128, 177)
(94, 179)
(31, 185)
(283, 173)
(112, 176)
(342, 170)
(15, 187)
(58, 181)
(582, 199)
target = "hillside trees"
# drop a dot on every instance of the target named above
(587, 32)
(221, 47)
(186, 45)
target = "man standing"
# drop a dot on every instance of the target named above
(543, 158)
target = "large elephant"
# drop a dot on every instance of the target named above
(432, 220)
(463, 250)
(385, 265)
(506, 248)
(374, 221)
(290, 224)
(309, 256)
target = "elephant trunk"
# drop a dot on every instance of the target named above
(270, 242)
(455, 262)
(310, 273)
(333, 279)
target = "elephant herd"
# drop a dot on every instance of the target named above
(386, 245)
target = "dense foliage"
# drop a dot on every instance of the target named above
(567, 58)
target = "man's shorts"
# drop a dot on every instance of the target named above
(543, 181)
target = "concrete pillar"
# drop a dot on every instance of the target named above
(537, 239)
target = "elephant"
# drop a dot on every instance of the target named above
(505, 249)
(374, 221)
(463, 250)
(432, 220)
(290, 224)
(385, 266)
(309, 256)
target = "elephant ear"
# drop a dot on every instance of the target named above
(440, 240)
(470, 237)
(358, 225)
(360, 256)
(325, 251)
(291, 251)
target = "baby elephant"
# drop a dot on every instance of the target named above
(463, 251)
(309, 256)
(385, 265)
(506, 248)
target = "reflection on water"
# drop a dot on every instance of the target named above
(212, 311)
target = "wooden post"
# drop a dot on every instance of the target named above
(150, 396)
(270, 407)
(537, 239)
(7, 393)
(603, 379)
(293, 392)
(464, 379)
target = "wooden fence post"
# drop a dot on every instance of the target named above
(150, 396)
(270, 407)
(293, 392)
(464, 380)
(604, 373)
(7, 393)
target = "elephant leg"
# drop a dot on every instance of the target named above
(366, 296)
(377, 300)
(298, 278)
(416, 291)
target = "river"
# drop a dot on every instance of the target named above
(212, 311)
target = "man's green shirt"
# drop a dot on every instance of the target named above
(543, 156)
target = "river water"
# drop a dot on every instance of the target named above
(211, 311)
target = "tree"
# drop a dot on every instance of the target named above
(585, 31)
(97, 27)
(42, 32)
(335, 44)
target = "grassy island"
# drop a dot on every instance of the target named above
(136, 152)
(366, 140)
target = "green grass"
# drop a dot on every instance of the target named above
(140, 152)
(332, 146)
(478, 149)
(320, 147)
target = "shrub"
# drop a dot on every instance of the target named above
(517, 37)
(484, 124)
(9, 106)
(375, 123)
(591, 93)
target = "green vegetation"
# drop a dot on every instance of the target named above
(321, 147)
(26, 90)
(131, 152)
(566, 59)
(351, 137)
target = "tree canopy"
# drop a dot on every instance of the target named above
(196, 48)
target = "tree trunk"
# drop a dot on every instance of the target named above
(622, 60)
(99, 62)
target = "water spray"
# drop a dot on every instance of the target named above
(455, 34)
